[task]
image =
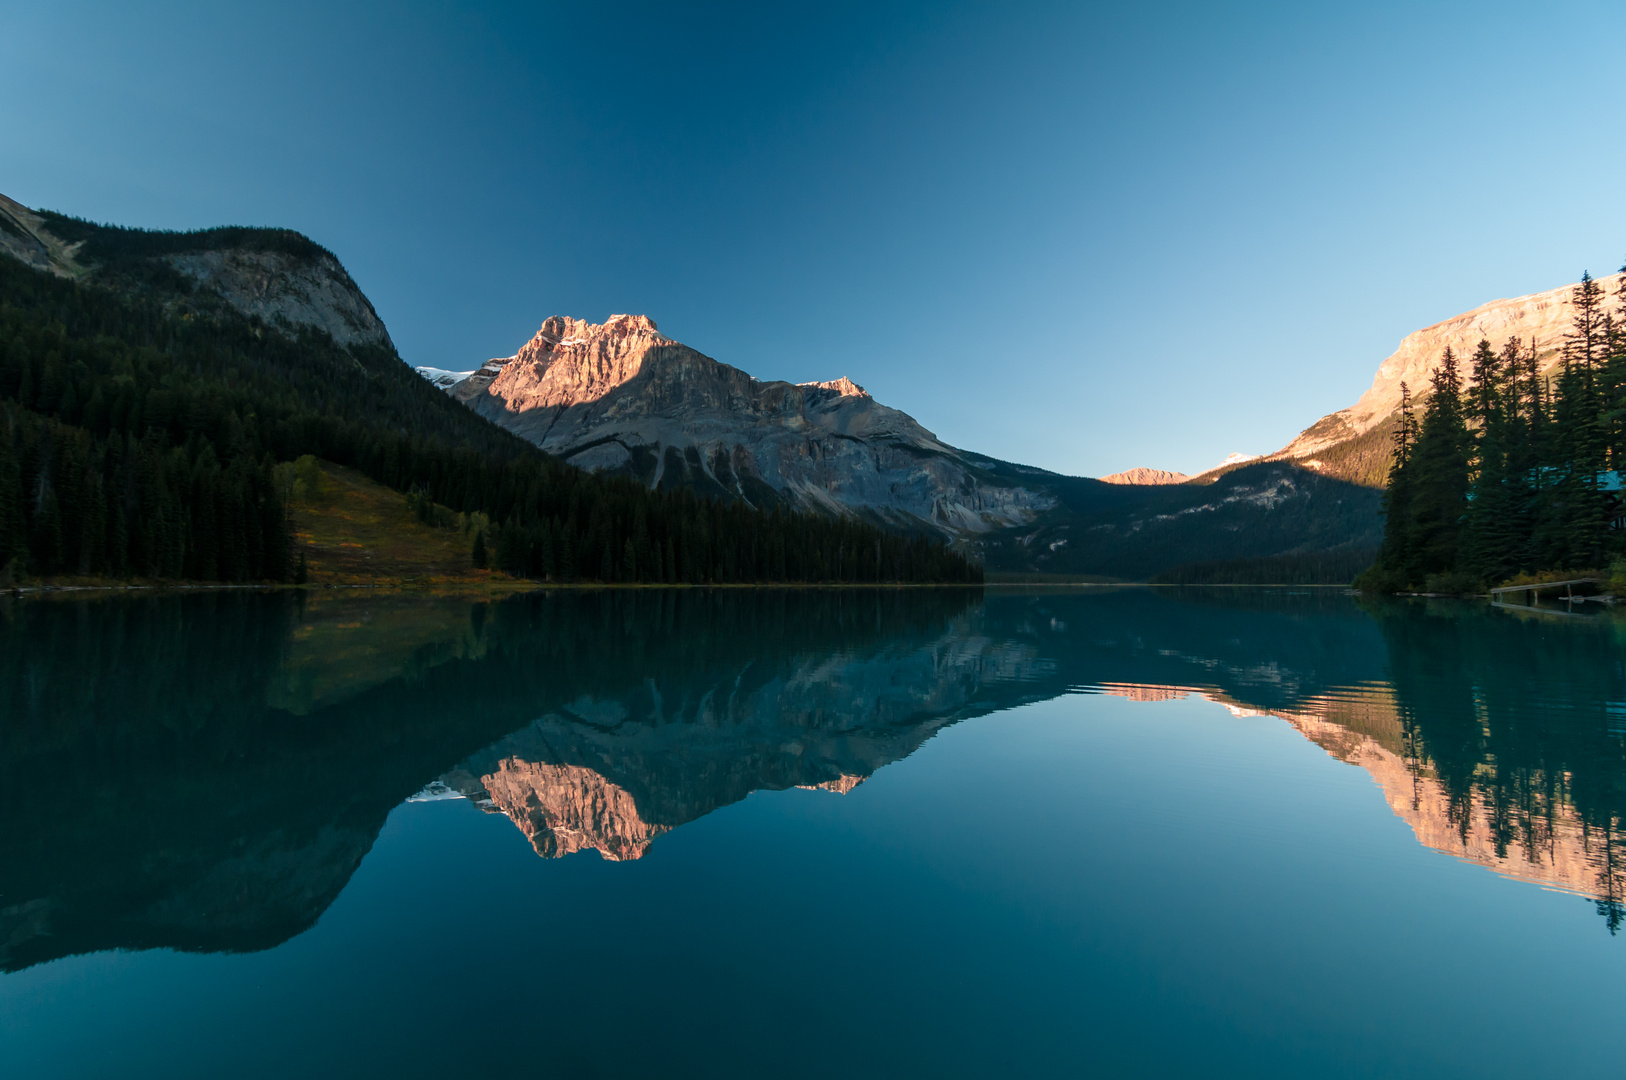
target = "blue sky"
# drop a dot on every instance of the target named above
(1082, 237)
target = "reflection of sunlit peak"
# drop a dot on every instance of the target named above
(840, 785)
(1144, 691)
(563, 809)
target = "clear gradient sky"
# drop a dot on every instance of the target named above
(1086, 237)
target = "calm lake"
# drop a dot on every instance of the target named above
(812, 833)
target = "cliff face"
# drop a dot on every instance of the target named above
(1545, 317)
(621, 397)
(287, 290)
(279, 276)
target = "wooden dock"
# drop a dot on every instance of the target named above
(1534, 589)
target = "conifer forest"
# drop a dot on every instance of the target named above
(1503, 468)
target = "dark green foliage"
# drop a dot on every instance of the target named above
(1513, 478)
(125, 506)
(138, 433)
(1396, 552)
(116, 243)
(1438, 467)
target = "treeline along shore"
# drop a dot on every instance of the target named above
(142, 422)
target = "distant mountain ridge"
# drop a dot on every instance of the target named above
(620, 398)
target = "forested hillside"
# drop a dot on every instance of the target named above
(1518, 473)
(1257, 512)
(141, 419)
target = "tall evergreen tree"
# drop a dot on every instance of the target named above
(1396, 555)
(1487, 378)
(1585, 345)
(1439, 464)
(1612, 387)
(1492, 539)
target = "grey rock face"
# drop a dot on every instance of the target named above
(289, 291)
(286, 290)
(23, 236)
(621, 397)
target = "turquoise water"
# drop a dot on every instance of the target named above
(804, 833)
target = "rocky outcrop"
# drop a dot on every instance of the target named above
(23, 236)
(288, 291)
(621, 397)
(1543, 317)
(278, 276)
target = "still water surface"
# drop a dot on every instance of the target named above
(810, 833)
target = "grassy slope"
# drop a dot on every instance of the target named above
(356, 531)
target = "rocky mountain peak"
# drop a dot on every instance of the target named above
(843, 386)
(564, 330)
(619, 396)
(568, 362)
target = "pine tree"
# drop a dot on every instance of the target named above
(1395, 556)
(1493, 544)
(1439, 463)
(1576, 512)
(1586, 342)
(1487, 393)
(1612, 388)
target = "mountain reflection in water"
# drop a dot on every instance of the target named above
(205, 772)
